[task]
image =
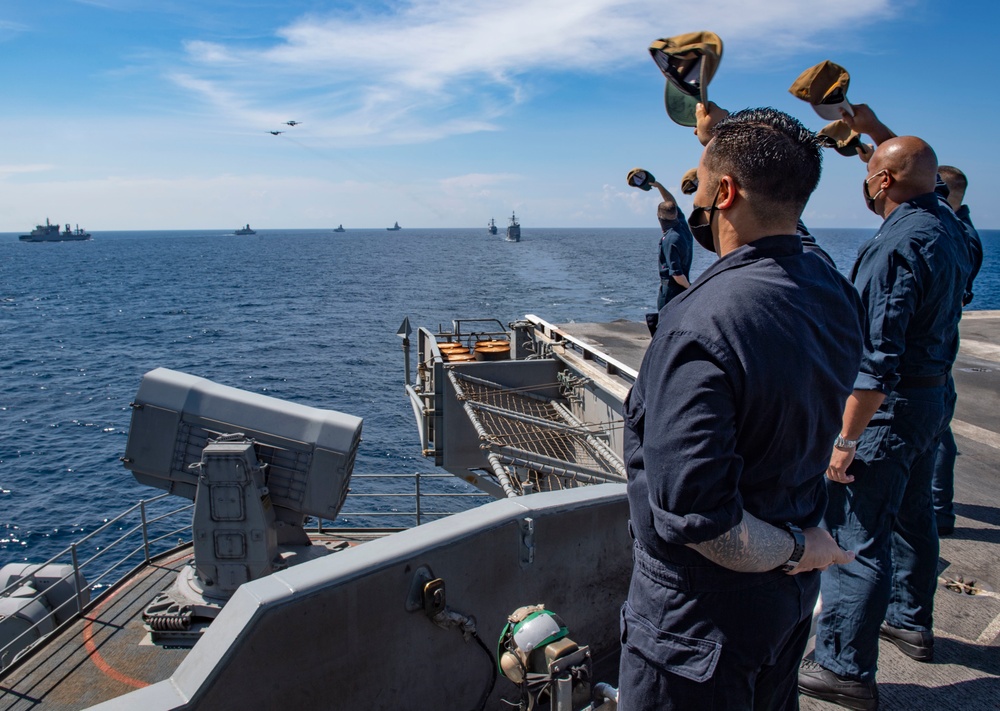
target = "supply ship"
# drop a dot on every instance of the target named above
(51, 233)
(262, 605)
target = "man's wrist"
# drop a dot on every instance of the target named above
(798, 549)
(847, 445)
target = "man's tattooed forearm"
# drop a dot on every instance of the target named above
(752, 546)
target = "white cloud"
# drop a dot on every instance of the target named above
(400, 74)
(218, 202)
(636, 202)
(8, 170)
(224, 99)
(9, 30)
(458, 190)
(477, 181)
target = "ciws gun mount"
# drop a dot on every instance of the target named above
(255, 467)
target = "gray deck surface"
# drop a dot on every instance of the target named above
(100, 656)
(966, 671)
(626, 341)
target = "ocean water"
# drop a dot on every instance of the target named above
(304, 315)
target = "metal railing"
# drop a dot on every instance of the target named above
(149, 528)
(426, 490)
(94, 566)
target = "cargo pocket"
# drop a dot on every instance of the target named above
(634, 414)
(687, 657)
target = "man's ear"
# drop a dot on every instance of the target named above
(727, 191)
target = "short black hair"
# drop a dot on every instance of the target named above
(774, 158)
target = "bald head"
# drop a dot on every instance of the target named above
(912, 164)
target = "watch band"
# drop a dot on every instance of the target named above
(798, 551)
(842, 443)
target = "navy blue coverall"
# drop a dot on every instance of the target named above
(911, 276)
(736, 406)
(675, 256)
(943, 479)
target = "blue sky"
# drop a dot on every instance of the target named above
(129, 114)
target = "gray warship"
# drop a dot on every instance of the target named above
(513, 229)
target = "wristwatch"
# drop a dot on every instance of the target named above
(797, 551)
(842, 443)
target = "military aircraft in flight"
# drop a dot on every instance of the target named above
(292, 123)
(275, 133)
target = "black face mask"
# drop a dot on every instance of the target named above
(701, 229)
(870, 199)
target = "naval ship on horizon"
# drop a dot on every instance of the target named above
(513, 229)
(50, 233)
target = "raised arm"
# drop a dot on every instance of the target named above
(665, 194)
(864, 120)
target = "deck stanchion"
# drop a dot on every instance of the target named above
(76, 579)
(145, 531)
(417, 479)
